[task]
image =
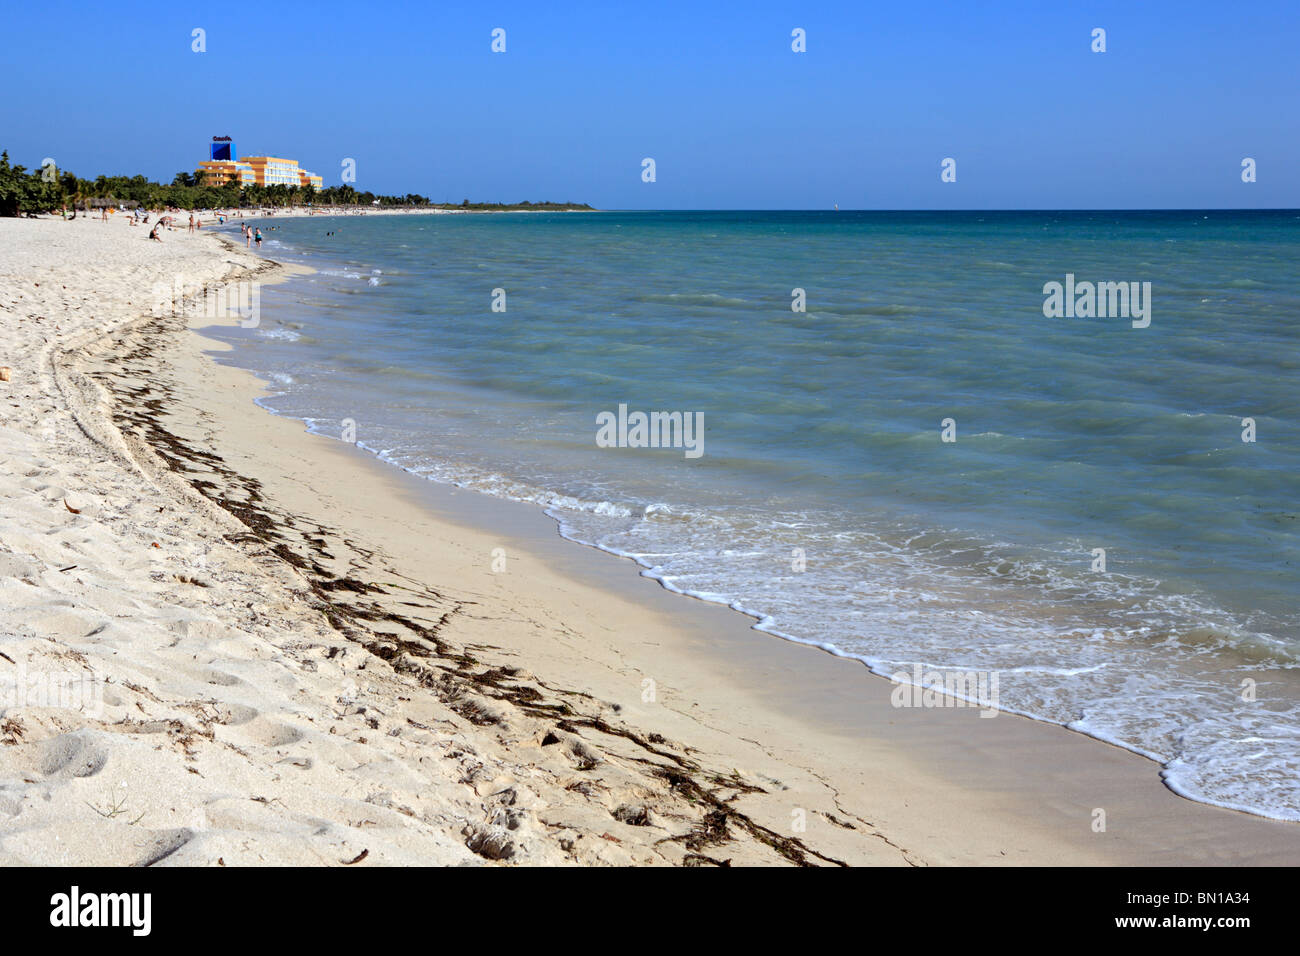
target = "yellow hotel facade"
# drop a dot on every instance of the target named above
(259, 170)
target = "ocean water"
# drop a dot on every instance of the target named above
(825, 501)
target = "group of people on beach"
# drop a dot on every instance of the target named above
(141, 216)
(251, 234)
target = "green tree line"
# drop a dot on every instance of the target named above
(51, 189)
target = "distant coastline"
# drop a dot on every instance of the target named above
(49, 189)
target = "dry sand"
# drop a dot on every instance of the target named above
(287, 653)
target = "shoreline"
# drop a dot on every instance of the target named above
(445, 500)
(819, 630)
(334, 212)
(869, 779)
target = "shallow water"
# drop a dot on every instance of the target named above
(825, 501)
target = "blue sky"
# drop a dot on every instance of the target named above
(732, 117)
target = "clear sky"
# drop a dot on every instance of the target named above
(713, 93)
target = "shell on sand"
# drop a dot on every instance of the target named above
(4, 373)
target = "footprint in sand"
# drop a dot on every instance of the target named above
(262, 732)
(164, 844)
(221, 679)
(72, 755)
(236, 715)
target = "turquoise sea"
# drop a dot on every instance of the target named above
(826, 501)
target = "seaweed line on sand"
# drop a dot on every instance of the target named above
(377, 617)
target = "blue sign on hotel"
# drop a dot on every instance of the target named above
(223, 147)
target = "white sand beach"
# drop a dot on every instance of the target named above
(283, 652)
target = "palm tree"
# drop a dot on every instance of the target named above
(230, 193)
(81, 196)
(67, 190)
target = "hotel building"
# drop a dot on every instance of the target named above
(261, 170)
(269, 170)
(218, 172)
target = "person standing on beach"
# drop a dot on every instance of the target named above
(258, 237)
(191, 222)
